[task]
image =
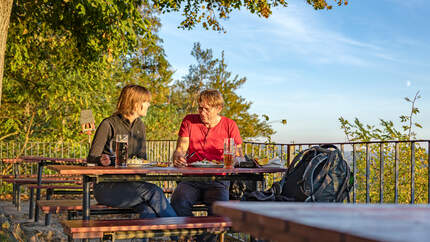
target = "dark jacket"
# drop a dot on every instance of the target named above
(104, 139)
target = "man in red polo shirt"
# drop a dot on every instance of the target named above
(202, 135)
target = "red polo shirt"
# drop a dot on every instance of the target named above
(208, 143)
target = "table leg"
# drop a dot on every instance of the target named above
(39, 183)
(86, 199)
(31, 204)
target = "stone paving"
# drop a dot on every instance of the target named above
(24, 229)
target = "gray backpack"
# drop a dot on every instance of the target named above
(317, 174)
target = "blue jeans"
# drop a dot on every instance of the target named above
(187, 194)
(147, 199)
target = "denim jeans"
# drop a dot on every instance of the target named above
(145, 198)
(187, 194)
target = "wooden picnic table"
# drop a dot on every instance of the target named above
(92, 174)
(285, 221)
(41, 163)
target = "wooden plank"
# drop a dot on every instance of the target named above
(12, 160)
(334, 222)
(87, 235)
(34, 176)
(84, 226)
(57, 206)
(104, 170)
(38, 159)
(54, 187)
(44, 181)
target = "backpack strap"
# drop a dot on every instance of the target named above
(327, 180)
(322, 175)
(296, 159)
(345, 186)
(327, 146)
(310, 171)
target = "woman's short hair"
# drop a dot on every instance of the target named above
(132, 95)
(212, 98)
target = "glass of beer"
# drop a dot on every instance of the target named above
(229, 152)
(121, 150)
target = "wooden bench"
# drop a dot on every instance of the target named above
(50, 190)
(17, 182)
(74, 208)
(145, 228)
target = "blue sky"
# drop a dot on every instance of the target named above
(312, 67)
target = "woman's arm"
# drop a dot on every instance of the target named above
(101, 138)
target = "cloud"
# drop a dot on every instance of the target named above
(297, 30)
(408, 83)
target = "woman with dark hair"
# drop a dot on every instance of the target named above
(145, 198)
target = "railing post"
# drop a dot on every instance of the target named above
(412, 172)
(428, 171)
(282, 152)
(396, 175)
(252, 150)
(367, 173)
(381, 173)
(259, 150)
(354, 172)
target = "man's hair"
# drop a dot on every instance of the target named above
(132, 95)
(212, 98)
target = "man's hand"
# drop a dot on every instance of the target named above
(179, 159)
(179, 154)
(105, 160)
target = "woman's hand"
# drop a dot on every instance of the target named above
(179, 159)
(105, 160)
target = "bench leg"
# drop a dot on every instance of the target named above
(47, 219)
(48, 215)
(109, 237)
(13, 194)
(221, 237)
(31, 204)
(18, 197)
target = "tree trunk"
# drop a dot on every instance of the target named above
(5, 11)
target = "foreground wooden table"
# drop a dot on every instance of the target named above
(281, 221)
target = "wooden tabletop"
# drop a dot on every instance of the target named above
(38, 159)
(12, 160)
(283, 221)
(107, 170)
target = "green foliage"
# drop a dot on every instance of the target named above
(358, 131)
(211, 72)
(64, 56)
(389, 175)
(210, 13)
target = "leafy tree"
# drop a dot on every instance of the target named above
(149, 67)
(357, 131)
(50, 77)
(211, 72)
(112, 26)
(99, 30)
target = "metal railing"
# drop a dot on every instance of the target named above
(47, 149)
(382, 171)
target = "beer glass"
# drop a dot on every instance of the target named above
(229, 152)
(121, 150)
